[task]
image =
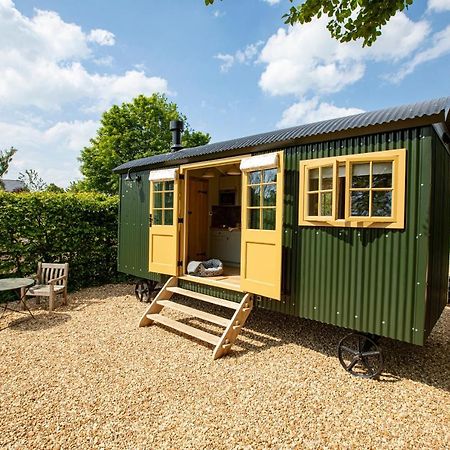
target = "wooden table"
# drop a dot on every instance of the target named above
(16, 284)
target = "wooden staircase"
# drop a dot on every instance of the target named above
(232, 327)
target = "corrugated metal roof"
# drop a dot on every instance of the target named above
(384, 116)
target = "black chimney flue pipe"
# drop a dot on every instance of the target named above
(176, 127)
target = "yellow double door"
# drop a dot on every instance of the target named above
(261, 234)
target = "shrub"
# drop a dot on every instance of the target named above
(78, 228)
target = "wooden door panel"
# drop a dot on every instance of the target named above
(163, 241)
(261, 249)
(198, 219)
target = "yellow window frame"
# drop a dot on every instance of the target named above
(163, 208)
(397, 220)
(261, 208)
(305, 168)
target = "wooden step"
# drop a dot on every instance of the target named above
(204, 297)
(186, 329)
(222, 321)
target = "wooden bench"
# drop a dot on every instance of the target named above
(51, 280)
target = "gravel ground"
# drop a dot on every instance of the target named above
(86, 376)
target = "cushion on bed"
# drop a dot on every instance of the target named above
(209, 268)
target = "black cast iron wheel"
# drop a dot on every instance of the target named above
(143, 290)
(360, 355)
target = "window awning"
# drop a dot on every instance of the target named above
(163, 175)
(266, 161)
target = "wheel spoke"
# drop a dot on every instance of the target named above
(141, 290)
(353, 363)
(349, 350)
(373, 353)
(360, 344)
(368, 367)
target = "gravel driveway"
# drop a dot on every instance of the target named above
(86, 376)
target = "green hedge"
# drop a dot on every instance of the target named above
(80, 229)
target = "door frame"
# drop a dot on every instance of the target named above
(184, 188)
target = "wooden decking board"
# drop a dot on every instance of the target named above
(204, 297)
(186, 329)
(222, 321)
(228, 283)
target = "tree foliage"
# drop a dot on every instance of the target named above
(349, 20)
(32, 181)
(133, 130)
(52, 187)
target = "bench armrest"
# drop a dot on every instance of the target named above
(55, 280)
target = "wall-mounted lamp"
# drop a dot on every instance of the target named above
(129, 177)
(233, 171)
(209, 174)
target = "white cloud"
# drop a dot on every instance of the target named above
(440, 46)
(227, 61)
(102, 37)
(52, 151)
(306, 59)
(439, 5)
(272, 2)
(42, 61)
(308, 111)
(245, 56)
(105, 61)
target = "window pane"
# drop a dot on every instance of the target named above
(157, 217)
(270, 195)
(168, 217)
(168, 200)
(382, 204)
(254, 195)
(168, 185)
(253, 218)
(382, 174)
(313, 184)
(326, 200)
(269, 218)
(254, 177)
(361, 175)
(313, 204)
(158, 186)
(360, 203)
(327, 178)
(157, 200)
(270, 176)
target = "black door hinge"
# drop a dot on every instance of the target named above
(180, 220)
(179, 263)
(150, 220)
(181, 176)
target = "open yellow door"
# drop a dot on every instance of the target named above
(262, 221)
(163, 239)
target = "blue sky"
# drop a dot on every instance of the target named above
(234, 69)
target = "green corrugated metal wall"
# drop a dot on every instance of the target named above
(370, 280)
(439, 235)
